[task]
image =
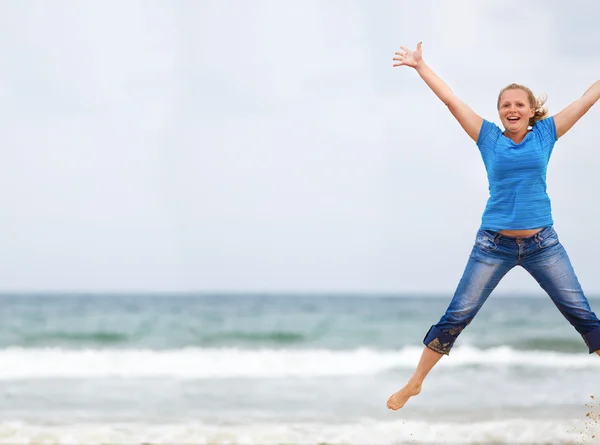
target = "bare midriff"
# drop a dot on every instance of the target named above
(519, 233)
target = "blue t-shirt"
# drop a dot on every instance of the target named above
(517, 177)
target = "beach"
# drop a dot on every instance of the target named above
(287, 369)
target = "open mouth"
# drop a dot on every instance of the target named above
(513, 119)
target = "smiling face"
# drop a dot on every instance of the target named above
(515, 110)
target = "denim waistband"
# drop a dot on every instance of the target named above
(498, 238)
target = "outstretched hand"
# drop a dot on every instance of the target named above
(407, 57)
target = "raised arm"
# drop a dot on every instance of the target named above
(469, 120)
(567, 117)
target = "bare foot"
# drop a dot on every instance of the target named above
(398, 399)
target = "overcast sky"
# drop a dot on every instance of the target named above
(237, 145)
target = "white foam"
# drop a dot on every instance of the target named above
(197, 363)
(393, 432)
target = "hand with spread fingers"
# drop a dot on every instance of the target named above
(407, 57)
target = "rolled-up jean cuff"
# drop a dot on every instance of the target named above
(592, 340)
(439, 341)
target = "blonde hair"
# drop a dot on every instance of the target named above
(540, 112)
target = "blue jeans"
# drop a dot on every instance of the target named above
(493, 255)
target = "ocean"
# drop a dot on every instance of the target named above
(288, 369)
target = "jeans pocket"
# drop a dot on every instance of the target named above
(548, 241)
(485, 242)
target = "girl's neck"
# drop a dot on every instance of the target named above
(517, 137)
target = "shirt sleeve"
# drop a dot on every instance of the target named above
(546, 129)
(488, 135)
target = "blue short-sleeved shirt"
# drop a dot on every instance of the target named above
(517, 177)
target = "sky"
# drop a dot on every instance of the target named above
(269, 146)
